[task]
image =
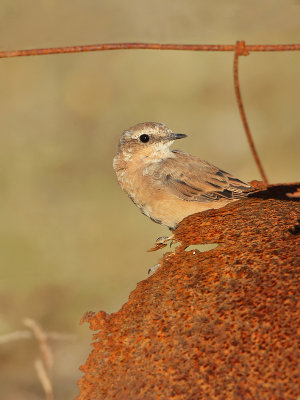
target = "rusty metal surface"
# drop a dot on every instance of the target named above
(220, 324)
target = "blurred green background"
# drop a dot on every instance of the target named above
(70, 240)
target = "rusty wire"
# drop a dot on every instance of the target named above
(240, 48)
(239, 51)
(146, 46)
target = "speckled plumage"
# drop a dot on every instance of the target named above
(169, 185)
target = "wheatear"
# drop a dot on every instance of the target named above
(168, 185)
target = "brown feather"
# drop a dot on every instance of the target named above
(192, 179)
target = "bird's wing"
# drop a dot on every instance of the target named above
(192, 179)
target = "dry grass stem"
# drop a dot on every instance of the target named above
(44, 378)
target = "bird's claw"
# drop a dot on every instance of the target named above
(161, 242)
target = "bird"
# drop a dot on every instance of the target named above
(168, 185)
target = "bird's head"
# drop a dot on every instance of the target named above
(146, 138)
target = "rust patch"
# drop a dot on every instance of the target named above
(215, 325)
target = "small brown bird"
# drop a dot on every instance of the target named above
(168, 185)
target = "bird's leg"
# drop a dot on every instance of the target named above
(160, 242)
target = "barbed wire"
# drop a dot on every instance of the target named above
(239, 49)
(149, 46)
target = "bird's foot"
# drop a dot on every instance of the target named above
(162, 242)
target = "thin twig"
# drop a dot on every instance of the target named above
(26, 334)
(44, 364)
(13, 336)
(42, 340)
(242, 50)
(44, 378)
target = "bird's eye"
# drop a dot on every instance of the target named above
(144, 138)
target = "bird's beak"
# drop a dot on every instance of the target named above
(174, 136)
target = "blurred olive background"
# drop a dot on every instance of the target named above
(70, 240)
